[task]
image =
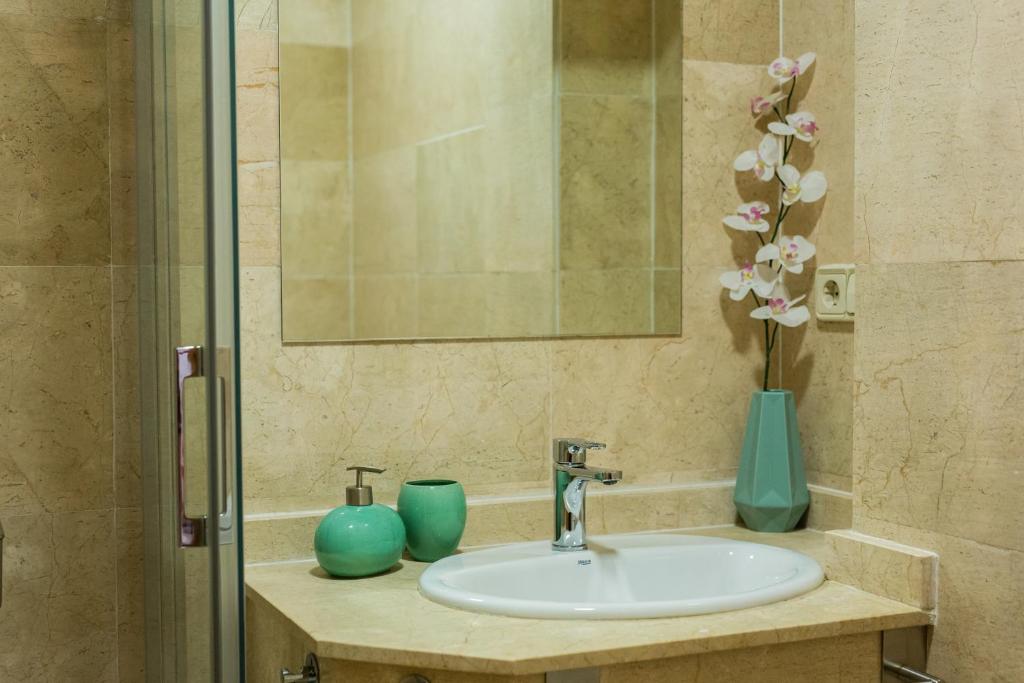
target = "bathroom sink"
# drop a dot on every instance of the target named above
(632, 576)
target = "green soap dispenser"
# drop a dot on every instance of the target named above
(359, 538)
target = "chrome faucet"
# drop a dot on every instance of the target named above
(571, 476)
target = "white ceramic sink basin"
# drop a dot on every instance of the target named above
(621, 577)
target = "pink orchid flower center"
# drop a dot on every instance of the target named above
(759, 105)
(747, 273)
(779, 67)
(790, 252)
(808, 127)
(778, 306)
(754, 214)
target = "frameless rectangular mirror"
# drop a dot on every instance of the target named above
(480, 168)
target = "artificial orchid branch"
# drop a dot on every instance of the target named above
(782, 254)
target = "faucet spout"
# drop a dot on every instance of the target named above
(571, 475)
(607, 477)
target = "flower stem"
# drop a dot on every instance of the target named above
(767, 358)
(769, 343)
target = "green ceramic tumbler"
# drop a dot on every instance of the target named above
(434, 513)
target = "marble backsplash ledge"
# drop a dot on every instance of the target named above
(494, 519)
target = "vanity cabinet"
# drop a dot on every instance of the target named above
(274, 642)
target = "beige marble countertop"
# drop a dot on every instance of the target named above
(385, 620)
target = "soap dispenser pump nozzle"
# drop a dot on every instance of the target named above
(359, 494)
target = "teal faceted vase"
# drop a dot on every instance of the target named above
(771, 488)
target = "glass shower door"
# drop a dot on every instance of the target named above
(188, 313)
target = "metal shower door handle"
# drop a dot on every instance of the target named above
(188, 364)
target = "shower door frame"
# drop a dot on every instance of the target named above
(188, 299)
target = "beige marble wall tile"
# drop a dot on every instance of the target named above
(316, 22)
(259, 214)
(258, 15)
(817, 365)
(605, 182)
(668, 198)
(881, 567)
(384, 213)
(599, 301)
(56, 408)
(828, 30)
(127, 421)
(520, 304)
(257, 95)
(519, 518)
(121, 107)
(669, 409)
(937, 422)
(668, 301)
(316, 227)
(518, 206)
(717, 128)
(316, 308)
(484, 305)
(615, 512)
(59, 608)
(829, 509)
(451, 305)
(520, 36)
(716, 31)
(980, 603)
(605, 47)
(314, 102)
(55, 191)
(64, 9)
(131, 588)
(420, 410)
(449, 204)
(386, 307)
(855, 658)
(380, 121)
(906, 51)
(183, 94)
(117, 10)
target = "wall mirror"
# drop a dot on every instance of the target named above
(480, 168)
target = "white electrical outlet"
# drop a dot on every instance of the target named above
(834, 292)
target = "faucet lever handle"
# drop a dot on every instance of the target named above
(573, 450)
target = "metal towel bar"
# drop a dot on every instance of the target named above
(909, 674)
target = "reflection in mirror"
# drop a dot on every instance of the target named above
(480, 168)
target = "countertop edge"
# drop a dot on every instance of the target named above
(656, 649)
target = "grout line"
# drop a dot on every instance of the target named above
(829, 491)
(883, 543)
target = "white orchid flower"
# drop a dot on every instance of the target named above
(808, 188)
(761, 279)
(784, 68)
(761, 161)
(783, 311)
(802, 125)
(791, 252)
(759, 105)
(749, 217)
